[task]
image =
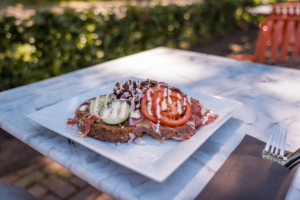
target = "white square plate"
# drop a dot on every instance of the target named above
(153, 160)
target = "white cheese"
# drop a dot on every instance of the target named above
(135, 114)
(83, 108)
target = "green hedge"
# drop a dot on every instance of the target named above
(50, 44)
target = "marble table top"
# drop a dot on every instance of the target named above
(270, 95)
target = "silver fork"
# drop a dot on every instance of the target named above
(278, 155)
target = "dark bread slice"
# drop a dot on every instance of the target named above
(105, 132)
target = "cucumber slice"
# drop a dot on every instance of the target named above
(117, 113)
(101, 101)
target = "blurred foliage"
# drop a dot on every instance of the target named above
(45, 2)
(49, 44)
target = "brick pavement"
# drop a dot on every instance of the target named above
(49, 181)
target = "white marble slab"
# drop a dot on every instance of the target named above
(270, 95)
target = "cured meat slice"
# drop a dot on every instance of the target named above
(88, 120)
(71, 121)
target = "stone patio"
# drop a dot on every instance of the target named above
(49, 181)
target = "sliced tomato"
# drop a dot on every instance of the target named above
(144, 103)
(170, 116)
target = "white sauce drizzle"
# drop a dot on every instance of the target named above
(148, 96)
(157, 128)
(149, 108)
(115, 107)
(189, 99)
(164, 105)
(205, 118)
(203, 121)
(175, 138)
(169, 98)
(158, 108)
(123, 110)
(96, 107)
(151, 90)
(184, 101)
(92, 105)
(149, 103)
(178, 96)
(106, 99)
(165, 92)
(106, 113)
(179, 107)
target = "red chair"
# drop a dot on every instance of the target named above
(278, 34)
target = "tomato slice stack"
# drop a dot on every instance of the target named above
(170, 116)
(144, 103)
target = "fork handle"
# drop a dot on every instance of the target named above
(295, 156)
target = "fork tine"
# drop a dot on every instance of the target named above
(274, 142)
(270, 140)
(277, 146)
(283, 145)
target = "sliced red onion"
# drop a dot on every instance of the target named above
(139, 141)
(118, 143)
(126, 94)
(131, 123)
(124, 99)
(131, 138)
(163, 84)
(113, 96)
(86, 102)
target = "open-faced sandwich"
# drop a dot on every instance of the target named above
(135, 108)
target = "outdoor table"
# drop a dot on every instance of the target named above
(270, 95)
